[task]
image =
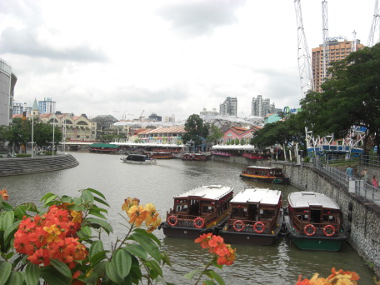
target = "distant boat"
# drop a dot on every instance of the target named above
(266, 174)
(314, 222)
(255, 217)
(161, 155)
(138, 159)
(197, 211)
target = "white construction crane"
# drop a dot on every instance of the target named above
(374, 34)
(325, 32)
(304, 65)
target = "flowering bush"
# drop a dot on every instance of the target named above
(221, 254)
(63, 245)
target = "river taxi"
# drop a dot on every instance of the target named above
(314, 222)
(161, 155)
(138, 159)
(198, 210)
(266, 174)
(256, 217)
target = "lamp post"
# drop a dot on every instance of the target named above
(32, 134)
(52, 149)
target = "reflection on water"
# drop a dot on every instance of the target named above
(277, 264)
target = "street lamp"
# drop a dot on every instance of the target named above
(32, 133)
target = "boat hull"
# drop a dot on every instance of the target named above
(275, 180)
(253, 238)
(319, 243)
(182, 232)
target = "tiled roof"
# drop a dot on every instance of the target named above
(167, 130)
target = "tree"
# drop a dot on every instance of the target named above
(19, 132)
(43, 134)
(351, 97)
(215, 134)
(195, 129)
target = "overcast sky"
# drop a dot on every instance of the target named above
(125, 57)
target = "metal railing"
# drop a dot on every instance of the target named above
(354, 185)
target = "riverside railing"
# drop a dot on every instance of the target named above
(357, 186)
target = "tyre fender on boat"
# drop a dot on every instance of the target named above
(259, 227)
(309, 230)
(329, 230)
(199, 222)
(172, 221)
(238, 225)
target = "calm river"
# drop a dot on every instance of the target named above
(278, 264)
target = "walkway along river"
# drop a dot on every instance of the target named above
(278, 264)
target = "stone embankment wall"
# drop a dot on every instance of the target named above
(360, 217)
(28, 165)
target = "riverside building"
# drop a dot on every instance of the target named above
(7, 83)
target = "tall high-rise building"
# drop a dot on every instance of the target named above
(7, 83)
(47, 106)
(261, 107)
(229, 107)
(337, 50)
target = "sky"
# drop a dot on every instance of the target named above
(128, 58)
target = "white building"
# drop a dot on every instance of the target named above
(7, 83)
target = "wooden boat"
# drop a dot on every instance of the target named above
(161, 155)
(256, 217)
(187, 156)
(314, 222)
(195, 157)
(267, 174)
(198, 210)
(138, 159)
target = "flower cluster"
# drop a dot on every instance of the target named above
(336, 277)
(4, 195)
(138, 214)
(215, 245)
(51, 236)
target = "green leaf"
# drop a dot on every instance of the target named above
(96, 247)
(136, 250)
(53, 276)
(191, 274)
(97, 214)
(147, 243)
(151, 235)
(84, 232)
(98, 257)
(112, 273)
(6, 220)
(97, 271)
(87, 197)
(208, 282)
(47, 196)
(97, 223)
(8, 233)
(5, 269)
(32, 274)
(215, 276)
(165, 258)
(16, 278)
(155, 268)
(97, 199)
(61, 267)
(122, 261)
(96, 192)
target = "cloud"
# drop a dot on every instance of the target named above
(26, 42)
(202, 17)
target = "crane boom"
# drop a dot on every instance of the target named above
(375, 30)
(304, 65)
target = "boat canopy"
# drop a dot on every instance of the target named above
(211, 192)
(258, 195)
(310, 199)
(264, 168)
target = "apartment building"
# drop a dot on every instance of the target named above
(338, 49)
(7, 83)
(229, 107)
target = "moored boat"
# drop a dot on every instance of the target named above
(198, 210)
(255, 217)
(138, 159)
(266, 174)
(161, 155)
(314, 222)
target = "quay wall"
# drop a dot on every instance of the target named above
(29, 165)
(361, 219)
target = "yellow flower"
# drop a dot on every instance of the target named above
(154, 225)
(152, 214)
(137, 215)
(76, 216)
(129, 202)
(54, 232)
(4, 194)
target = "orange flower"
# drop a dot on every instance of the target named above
(339, 277)
(223, 253)
(129, 202)
(137, 215)
(4, 194)
(40, 256)
(204, 240)
(54, 233)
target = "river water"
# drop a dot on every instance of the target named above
(277, 264)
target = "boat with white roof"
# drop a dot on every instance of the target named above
(197, 211)
(255, 217)
(265, 174)
(314, 222)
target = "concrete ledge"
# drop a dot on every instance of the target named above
(29, 165)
